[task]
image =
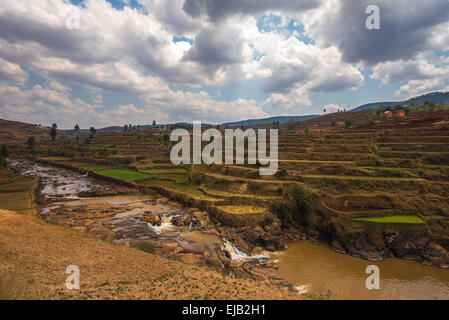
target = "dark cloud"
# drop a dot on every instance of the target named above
(55, 40)
(16, 29)
(217, 10)
(406, 29)
(285, 78)
(215, 47)
(339, 83)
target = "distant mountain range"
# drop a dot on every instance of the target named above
(281, 120)
(86, 132)
(437, 97)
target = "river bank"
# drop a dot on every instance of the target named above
(34, 256)
(150, 222)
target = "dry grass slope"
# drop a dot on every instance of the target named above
(108, 271)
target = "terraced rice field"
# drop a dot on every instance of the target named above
(401, 170)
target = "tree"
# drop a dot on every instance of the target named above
(3, 156)
(154, 123)
(92, 131)
(4, 152)
(349, 123)
(125, 128)
(30, 143)
(77, 131)
(53, 131)
(324, 110)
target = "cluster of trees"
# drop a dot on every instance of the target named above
(339, 110)
(296, 209)
(54, 133)
(130, 127)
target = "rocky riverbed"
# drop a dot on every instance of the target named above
(151, 223)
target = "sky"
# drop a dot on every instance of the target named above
(111, 62)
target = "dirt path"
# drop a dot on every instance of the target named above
(34, 256)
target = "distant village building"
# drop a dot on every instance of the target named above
(400, 113)
(388, 114)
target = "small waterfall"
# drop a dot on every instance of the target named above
(165, 225)
(237, 255)
(190, 226)
(302, 289)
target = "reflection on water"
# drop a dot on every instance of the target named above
(57, 182)
(323, 271)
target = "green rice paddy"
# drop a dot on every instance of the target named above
(124, 174)
(394, 219)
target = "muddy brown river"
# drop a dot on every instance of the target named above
(317, 270)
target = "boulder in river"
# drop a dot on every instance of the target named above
(153, 219)
(337, 247)
(183, 220)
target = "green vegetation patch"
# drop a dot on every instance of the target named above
(94, 167)
(124, 174)
(54, 158)
(394, 219)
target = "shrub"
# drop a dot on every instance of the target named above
(282, 173)
(295, 208)
(2, 162)
(103, 152)
(4, 152)
(146, 248)
(129, 160)
(268, 221)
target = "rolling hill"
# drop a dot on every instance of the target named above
(438, 97)
(281, 120)
(14, 131)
